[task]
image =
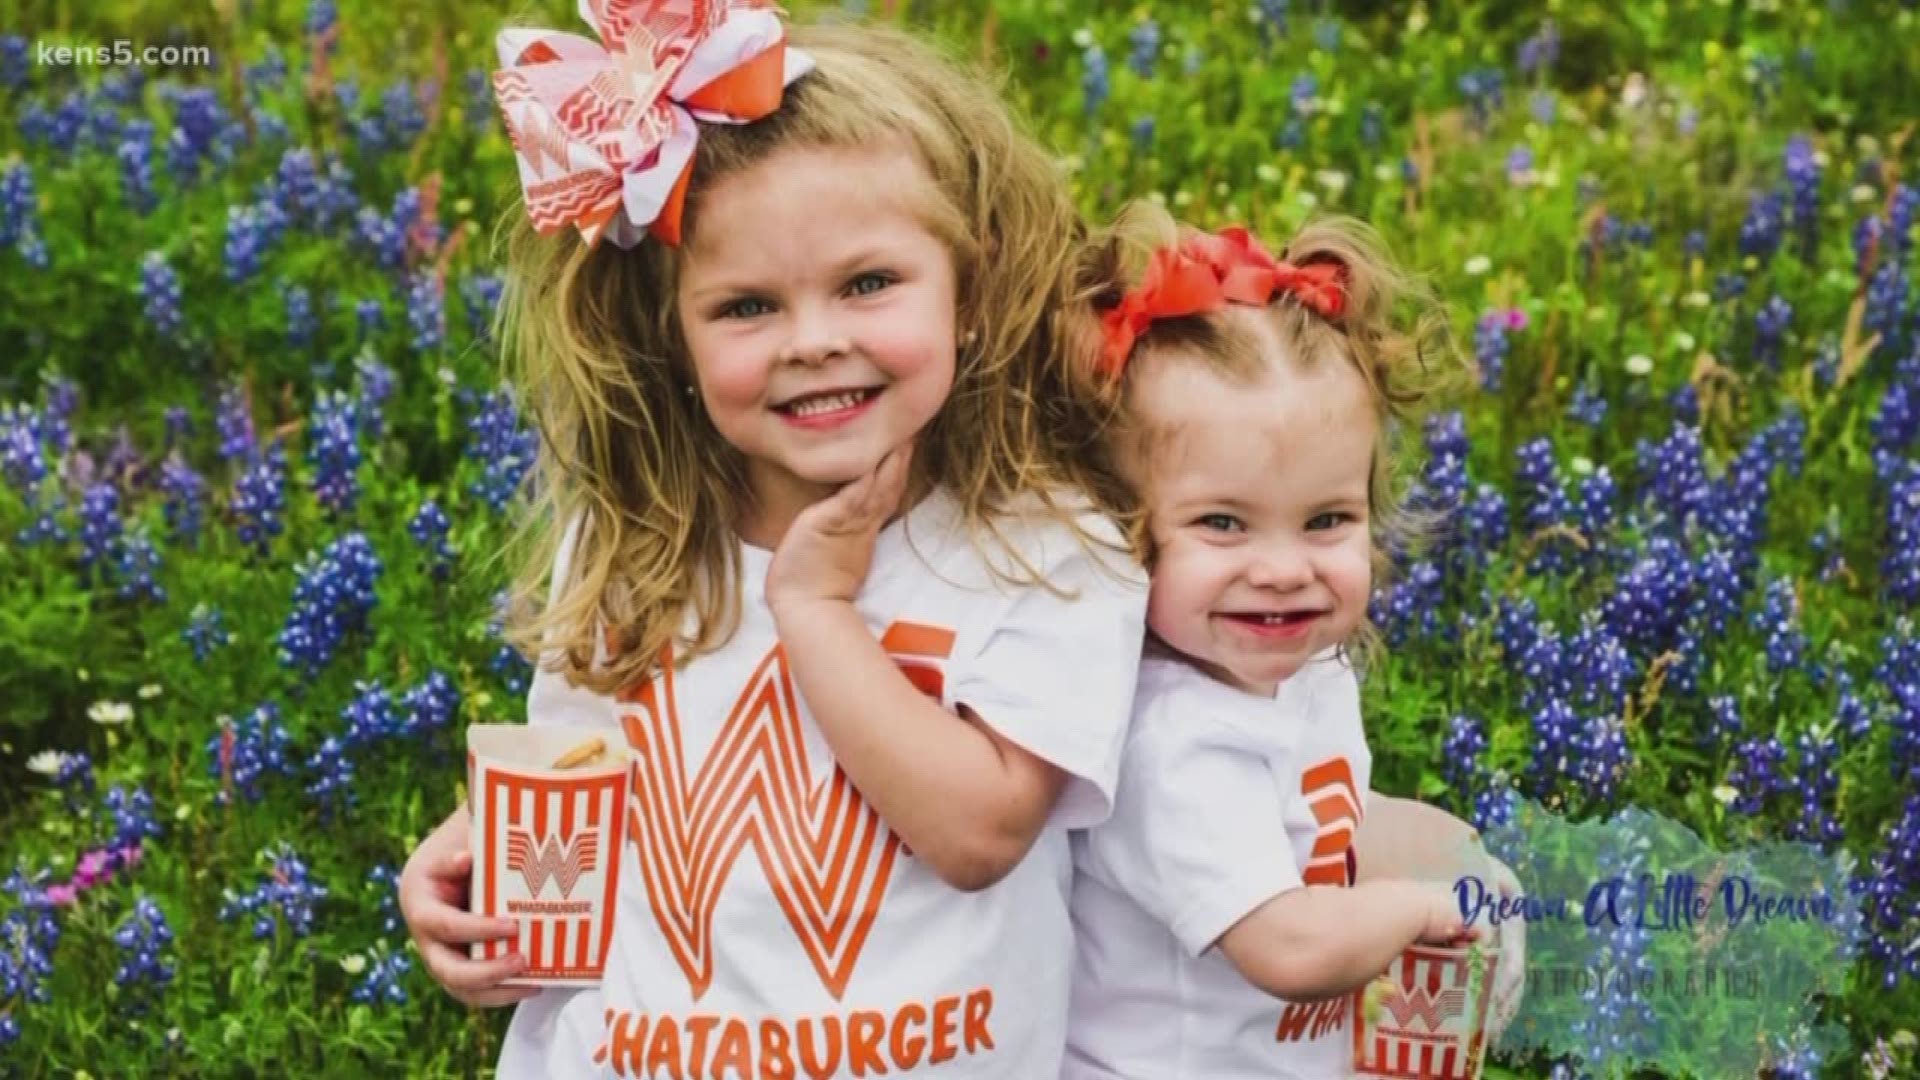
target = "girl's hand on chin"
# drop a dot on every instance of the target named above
(828, 549)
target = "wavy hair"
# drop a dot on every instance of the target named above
(594, 347)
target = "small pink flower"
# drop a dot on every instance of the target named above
(63, 895)
(93, 866)
(1516, 319)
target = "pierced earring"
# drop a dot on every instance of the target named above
(691, 392)
(966, 339)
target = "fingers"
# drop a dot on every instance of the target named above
(450, 924)
(464, 977)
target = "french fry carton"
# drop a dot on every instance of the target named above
(547, 830)
(1426, 1019)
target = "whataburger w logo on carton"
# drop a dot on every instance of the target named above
(826, 856)
(555, 859)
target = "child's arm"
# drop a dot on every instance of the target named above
(1402, 838)
(968, 802)
(1322, 941)
(966, 799)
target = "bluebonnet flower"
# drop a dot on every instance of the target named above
(321, 17)
(1145, 39)
(136, 167)
(1542, 105)
(136, 563)
(331, 767)
(375, 383)
(144, 940)
(1490, 348)
(507, 663)
(1770, 325)
(333, 597)
(1587, 406)
(1595, 511)
(383, 237)
(1484, 523)
(179, 425)
(1604, 758)
(250, 235)
(198, 120)
(1142, 133)
(1803, 180)
(233, 419)
(132, 812)
(302, 322)
(1410, 606)
(371, 317)
(402, 113)
(1765, 225)
(334, 452)
(371, 716)
(260, 498)
(1900, 566)
(1893, 898)
(1543, 500)
(16, 65)
(503, 448)
(206, 631)
(1557, 743)
(1095, 84)
(430, 705)
(384, 881)
(1648, 602)
(1373, 125)
(29, 934)
(1484, 90)
(1722, 581)
(480, 104)
(20, 214)
(22, 461)
(1460, 753)
(160, 288)
(1728, 287)
(1539, 52)
(382, 981)
(1304, 95)
(1756, 774)
(1816, 781)
(1723, 710)
(1520, 164)
(62, 397)
(1886, 304)
(76, 774)
(426, 311)
(429, 529)
(186, 497)
(244, 754)
(100, 524)
(1673, 474)
(285, 894)
(480, 296)
(1779, 619)
(1273, 18)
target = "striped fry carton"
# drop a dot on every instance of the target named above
(546, 846)
(1430, 1019)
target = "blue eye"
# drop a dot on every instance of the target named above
(745, 308)
(1220, 522)
(869, 283)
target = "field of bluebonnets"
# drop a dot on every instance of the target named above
(258, 460)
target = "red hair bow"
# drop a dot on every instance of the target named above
(1206, 272)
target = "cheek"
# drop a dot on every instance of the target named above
(1350, 571)
(731, 368)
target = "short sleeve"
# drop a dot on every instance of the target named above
(1054, 673)
(1198, 837)
(550, 699)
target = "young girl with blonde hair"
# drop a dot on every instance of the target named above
(822, 550)
(1223, 929)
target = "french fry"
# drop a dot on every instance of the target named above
(586, 753)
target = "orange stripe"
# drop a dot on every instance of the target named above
(917, 639)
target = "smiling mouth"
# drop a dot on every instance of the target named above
(831, 401)
(1272, 619)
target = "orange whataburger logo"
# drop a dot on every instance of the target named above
(825, 852)
(1435, 1009)
(1329, 791)
(551, 859)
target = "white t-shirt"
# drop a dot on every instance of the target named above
(1226, 800)
(768, 924)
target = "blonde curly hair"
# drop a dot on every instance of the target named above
(594, 347)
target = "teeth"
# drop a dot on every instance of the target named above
(829, 403)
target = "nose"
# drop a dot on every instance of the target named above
(815, 338)
(1280, 566)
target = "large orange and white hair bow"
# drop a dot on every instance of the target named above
(605, 130)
